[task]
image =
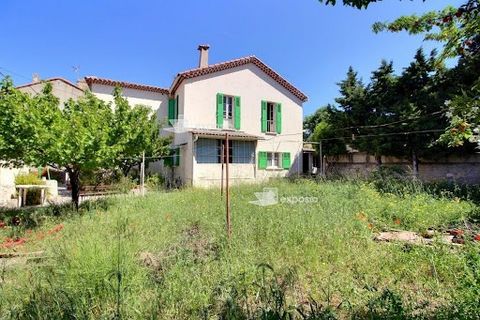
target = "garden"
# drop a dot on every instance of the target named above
(167, 256)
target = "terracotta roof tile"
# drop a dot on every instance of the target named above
(236, 63)
(108, 82)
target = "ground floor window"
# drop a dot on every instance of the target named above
(273, 159)
(210, 151)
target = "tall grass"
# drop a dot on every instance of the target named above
(166, 256)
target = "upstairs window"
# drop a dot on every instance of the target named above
(271, 117)
(228, 107)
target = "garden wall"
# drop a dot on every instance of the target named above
(459, 169)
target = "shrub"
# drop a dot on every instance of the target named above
(28, 178)
(155, 182)
(31, 178)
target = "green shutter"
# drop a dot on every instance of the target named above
(168, 160)
(286, 160)
(219, 110)
(176, 107)
(236, 113)
(176, 158)
(278, 120)
(262, 160)
(171, 110)
(264, 116)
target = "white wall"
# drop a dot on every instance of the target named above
(198, 100)
(156, 101)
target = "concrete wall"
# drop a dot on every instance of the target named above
(455, 168)
(7, 184)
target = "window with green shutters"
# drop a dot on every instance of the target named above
(271, 117)
(274, 160)
(173, 158)
(228, 111)
(171, 110)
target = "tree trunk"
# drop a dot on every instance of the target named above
(75, 183)
(415, 164)
(378, 161)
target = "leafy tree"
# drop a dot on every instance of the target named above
(83, 136)
(459, 30)
(324, 129)
(135, 130)
(380, 100)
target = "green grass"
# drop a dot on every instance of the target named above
(166, 256)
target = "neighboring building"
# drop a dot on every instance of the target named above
(61, 88)
(260, 111)
(151, 96)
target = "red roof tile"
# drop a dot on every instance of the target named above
(236, 63)
(123, 84)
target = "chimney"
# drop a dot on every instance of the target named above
(203, 61)
(35, 78)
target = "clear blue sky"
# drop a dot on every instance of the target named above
(148, 42)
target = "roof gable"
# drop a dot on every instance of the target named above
(193, 73)
(51, 80)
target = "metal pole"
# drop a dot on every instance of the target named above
(142, 178)
(227, 192)
(222, 159)
(322, 173)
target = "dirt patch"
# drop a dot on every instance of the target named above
(193, 247)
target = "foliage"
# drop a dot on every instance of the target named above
(135, 130)
(459, 30)
(176, 263)
(30, 178)
(84, 135)
(155, 182)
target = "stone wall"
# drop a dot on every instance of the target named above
(459, 169)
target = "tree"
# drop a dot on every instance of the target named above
(324, 129)
(135, 131)
(84, 135)
(380, 99)
(459, 30)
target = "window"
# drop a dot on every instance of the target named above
(271, 117)
(273, 159)
(228, 107)
(210, 151)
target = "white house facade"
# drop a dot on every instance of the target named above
(244, 99)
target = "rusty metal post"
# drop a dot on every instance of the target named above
(227, 191)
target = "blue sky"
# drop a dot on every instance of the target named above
(310, 44)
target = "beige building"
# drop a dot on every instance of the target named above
(259, 110)
(61, 88)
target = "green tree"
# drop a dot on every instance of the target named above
(135, 131)
(83, 135)
(381, 98)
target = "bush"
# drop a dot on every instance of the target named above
(125, 184)
(155, 182)
(28, 178)
(395, 180)
(31, 178)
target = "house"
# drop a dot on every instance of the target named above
(244, 99)
(61, 88)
